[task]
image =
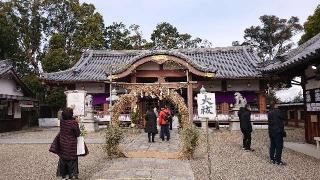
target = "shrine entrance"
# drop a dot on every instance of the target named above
(161, 94)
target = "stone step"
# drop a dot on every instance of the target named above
(152, 154)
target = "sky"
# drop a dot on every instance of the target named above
(219, 21)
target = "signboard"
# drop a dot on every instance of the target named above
(313, 99)
(206, 105)
(26, 104)
(76, 100)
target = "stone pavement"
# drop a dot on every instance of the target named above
(146, 168)
(304, 148)
(141, 148)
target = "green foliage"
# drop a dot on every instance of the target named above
(33, 82)
(311, 26)
(274, 36)
(57, 41)
(9, 46)
(135, 115)
(298, 97)
(114, 136)
(83, 131)
(117, 37)
(165, 35)
(271, 97)
(56, 60)
(190, 140)
(56, 97)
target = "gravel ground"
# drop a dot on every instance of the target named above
(34, 161)
(229, 161)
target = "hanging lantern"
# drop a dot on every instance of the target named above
(141, 94)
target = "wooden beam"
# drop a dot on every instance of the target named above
(157, 73)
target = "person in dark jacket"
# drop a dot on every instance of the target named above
(67, 142)
(276, 134)
(245, 126)
(151, 124)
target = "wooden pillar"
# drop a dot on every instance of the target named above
(190, 97)
(262, 102)
(296, 118)
(225, 108)
(106, 108)
(133, 78)
(161, 79)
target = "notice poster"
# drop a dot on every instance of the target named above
(76, 100)
(206, 105)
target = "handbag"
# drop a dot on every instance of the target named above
(80, 146)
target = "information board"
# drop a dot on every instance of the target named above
(206, 105)
(76, 100)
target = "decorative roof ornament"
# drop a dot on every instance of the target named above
(160, 47)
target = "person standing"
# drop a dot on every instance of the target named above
(163, 122)
(169, 117)
(151, 124)
(65, 145)
(276, 134)
(245, 126)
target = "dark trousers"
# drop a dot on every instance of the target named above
(170, 124)
(165, 132)
(246, 140)
(67, 167)
(151, 135)
(276, 146)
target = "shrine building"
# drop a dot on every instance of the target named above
(223, 71)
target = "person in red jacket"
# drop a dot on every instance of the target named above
(164, 124)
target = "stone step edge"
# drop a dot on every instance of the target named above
(152, 154)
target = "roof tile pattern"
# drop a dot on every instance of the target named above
(229, 62)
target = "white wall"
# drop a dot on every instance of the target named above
(242, 85)
(91, 87)
(8, 86)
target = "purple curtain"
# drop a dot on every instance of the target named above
(99, 98)
(229, 96)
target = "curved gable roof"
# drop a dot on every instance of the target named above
(94, 65)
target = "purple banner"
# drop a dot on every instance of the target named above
(229, 96)
(99, 98)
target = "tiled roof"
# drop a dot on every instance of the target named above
(295, 57)
(228, 62)
(5, 66)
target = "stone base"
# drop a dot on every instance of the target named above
(203, 124)
(234, 125)
(90, 125)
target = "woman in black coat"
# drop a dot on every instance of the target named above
(65, 145)
(151, 124)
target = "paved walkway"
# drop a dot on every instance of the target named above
(146, 168)
(141, 148)
(308, 149)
